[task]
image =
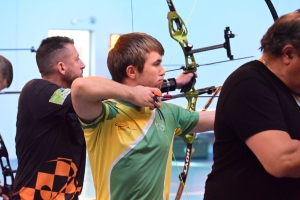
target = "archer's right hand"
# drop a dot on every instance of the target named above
(145, 97)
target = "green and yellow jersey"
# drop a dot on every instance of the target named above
(130, 149)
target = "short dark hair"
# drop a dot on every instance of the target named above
(6, 70)
(50, 52)
(131, 49)
(285, 30)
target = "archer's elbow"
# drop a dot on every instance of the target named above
(282, 169)
(275, 171)
(77, 87)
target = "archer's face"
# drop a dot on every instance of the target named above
(293, 74)
(73, 64)
(153, 73)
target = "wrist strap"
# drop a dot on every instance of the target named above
(168, 85)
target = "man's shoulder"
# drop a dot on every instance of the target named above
(249, 69)
(253, 70)
(40, 84)
(39, 88)
(37, 83)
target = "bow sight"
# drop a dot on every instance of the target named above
(227, 35)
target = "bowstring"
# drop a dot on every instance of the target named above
(168, 139)
(172, 152)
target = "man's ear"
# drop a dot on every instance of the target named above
(61, 68)
(131, 71)
(288, 52)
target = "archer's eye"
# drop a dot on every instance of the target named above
(158, 63)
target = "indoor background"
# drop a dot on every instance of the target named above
(23, 24)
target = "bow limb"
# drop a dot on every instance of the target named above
(7, 172)
(272, 9)
(179, 34)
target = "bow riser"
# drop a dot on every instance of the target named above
(180, 35)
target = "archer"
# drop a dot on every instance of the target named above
(132, 164)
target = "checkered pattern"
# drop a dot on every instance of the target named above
(57, 182)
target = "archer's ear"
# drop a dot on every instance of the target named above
(61, 68)
(288, 53)
(131, 71)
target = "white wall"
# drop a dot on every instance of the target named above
(24, 24)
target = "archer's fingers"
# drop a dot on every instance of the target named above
(157, 101)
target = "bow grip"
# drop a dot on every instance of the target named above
(189, 86)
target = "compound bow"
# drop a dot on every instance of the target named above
(180, 35)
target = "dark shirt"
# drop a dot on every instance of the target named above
(50, 144)
(253, 99)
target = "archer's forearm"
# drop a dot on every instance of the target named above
(206, 121)
(94, 89)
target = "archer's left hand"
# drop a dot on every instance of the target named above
(184, 79)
